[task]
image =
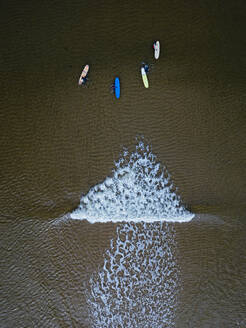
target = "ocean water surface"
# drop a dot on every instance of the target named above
(98, 229)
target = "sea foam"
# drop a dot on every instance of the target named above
(139, 189)
(139, 283)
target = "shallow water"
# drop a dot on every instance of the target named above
(59, 142)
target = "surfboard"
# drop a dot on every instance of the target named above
(157, 49)
(83, 74)
(117, 87)
(144, 77)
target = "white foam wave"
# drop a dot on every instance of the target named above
(140, 189)
(139, 282)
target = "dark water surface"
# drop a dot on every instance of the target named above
(59, 140)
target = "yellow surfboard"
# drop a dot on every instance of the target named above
(144, 77)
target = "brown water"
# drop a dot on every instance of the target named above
(59, 140)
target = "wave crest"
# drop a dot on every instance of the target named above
(140, 189)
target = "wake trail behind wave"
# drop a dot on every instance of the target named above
(138, 285)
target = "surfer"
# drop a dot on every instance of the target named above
(112, 88)
(146, 67)
(84, 80)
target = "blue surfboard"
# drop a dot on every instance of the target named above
(117, 87)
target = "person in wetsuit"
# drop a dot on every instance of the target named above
(146, 67)
(84, 80)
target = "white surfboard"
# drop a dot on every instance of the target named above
(144, 77)
(157, 49)
(83, 74)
